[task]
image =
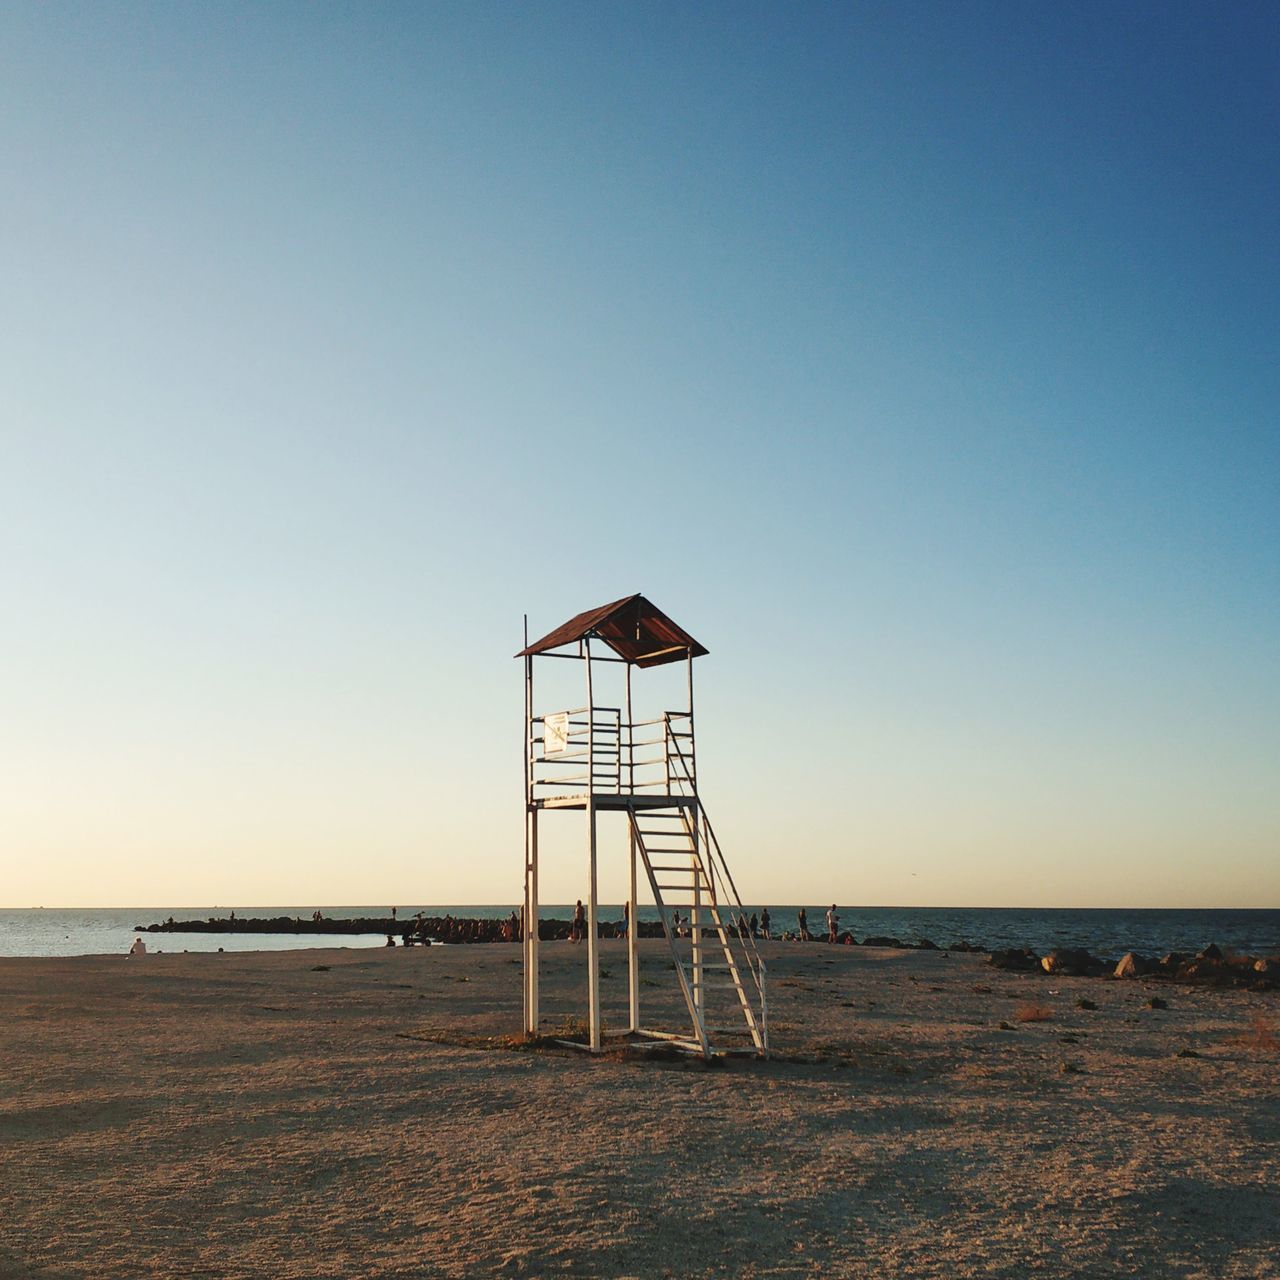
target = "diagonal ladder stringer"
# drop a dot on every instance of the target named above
(681, 869)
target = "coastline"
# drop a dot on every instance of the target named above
(1105, 932)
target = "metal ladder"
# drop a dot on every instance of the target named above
(721, 974)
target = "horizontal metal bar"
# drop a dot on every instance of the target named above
(576, 657)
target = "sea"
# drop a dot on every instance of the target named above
(1105, 932)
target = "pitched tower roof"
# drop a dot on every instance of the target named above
(635, 629)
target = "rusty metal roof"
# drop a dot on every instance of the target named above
(632, 627)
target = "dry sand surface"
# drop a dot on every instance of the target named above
(293, 1115)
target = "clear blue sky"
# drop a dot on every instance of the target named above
(920, 359)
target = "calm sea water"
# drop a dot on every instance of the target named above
(1105, 932)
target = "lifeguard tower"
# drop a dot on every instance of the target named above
(600, 759)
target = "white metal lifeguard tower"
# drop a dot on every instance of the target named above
(601, 758)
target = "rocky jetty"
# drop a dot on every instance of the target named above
(1210, 967)
(437, 928)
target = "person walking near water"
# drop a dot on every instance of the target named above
(578, 930)
(764, 924)
(803, 918)
(833, 924)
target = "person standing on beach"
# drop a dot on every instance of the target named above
(803, 918)
(833, 924)
(578, 931)
(626, 920)
(764, 924)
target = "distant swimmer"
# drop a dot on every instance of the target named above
(139, 948)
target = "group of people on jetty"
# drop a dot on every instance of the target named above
(421, 931)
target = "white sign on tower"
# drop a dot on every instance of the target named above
(555, 733)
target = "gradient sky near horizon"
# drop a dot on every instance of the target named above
(920, 359)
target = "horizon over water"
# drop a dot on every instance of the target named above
(1105, 931)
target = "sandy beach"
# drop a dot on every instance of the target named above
(344, 1113)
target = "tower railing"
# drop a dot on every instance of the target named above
(604, 754)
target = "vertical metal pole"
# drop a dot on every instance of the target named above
(633, 951)
(534, 941)
(692, 763)
(593, 950)
(692, 770)
(695, 925)
(631, 740)
(528, 839)
(530, 938)
(633, 958)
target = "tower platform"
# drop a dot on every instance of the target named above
(613, 800)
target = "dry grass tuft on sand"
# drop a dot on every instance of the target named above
(1260, 1037)
(1033, 1013)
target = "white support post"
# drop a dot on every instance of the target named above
(528, 840)
(593, 942)
(633, 956)
(530, 922)
(631, 742)
(593, 922)
(691, 764)
(690, 769)
(531, 929)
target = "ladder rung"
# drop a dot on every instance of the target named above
(653, 848)
(680, 870)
